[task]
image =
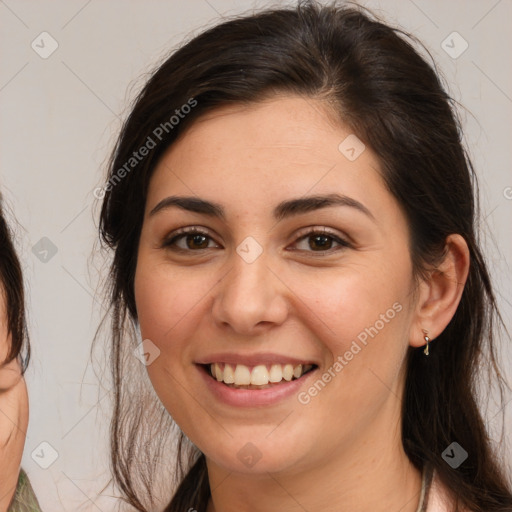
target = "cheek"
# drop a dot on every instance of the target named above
(171, 309)
(165, 306)
(355, 303)
(164, 300)
(361, 317)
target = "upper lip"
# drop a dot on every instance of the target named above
(253, 359)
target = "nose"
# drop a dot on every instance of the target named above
(250, 298)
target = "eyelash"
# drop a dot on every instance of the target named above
(170, 241)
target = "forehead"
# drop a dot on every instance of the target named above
(288, 126)
(279, 147)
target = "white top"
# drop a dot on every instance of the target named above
(434, 497)
(438, 498)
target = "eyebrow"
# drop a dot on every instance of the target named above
(283, 210)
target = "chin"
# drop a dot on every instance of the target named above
(256, 455)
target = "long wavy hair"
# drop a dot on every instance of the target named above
(378, 85)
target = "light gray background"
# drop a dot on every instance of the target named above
(59, 118)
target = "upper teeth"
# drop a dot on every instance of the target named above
(241, 375)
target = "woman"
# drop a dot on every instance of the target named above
(292, 221)
(16, 493)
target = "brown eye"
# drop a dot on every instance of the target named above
(322, 241)
(193, 238)
(196, 241)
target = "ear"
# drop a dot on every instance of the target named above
(439, 294)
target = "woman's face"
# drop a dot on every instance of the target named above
(254, 288)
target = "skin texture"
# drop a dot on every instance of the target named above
(13, 416)
(342, 451)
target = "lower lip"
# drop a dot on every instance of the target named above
(253, 397)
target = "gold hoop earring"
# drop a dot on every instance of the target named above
(427, 340)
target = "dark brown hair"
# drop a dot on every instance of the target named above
(11, 286)
(377, 84)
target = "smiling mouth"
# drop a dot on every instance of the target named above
(257, 377)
